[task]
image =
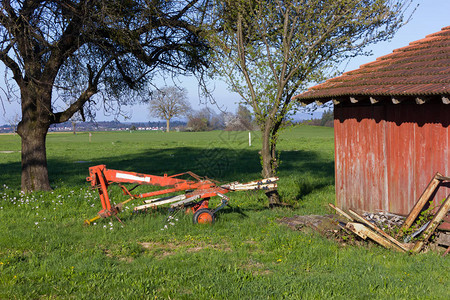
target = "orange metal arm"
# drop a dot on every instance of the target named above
(101, 177)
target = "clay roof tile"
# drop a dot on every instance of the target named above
(421, 68)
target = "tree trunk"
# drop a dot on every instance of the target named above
(33, 128)
(167, 125)
(34, 157)
(269, 163)
(74, 127)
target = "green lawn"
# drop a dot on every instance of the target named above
(46, 252)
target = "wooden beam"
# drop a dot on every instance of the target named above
(353, 100)
(442, 177)
(421, 100)
(362, 230)
(359, 218)
(341, 212)
(374, 100)
(445, 99)
(443, 210)
(424, 198)
(318, 102)
(396, 100)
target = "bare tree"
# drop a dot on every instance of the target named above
(242, 120)
(169, 102)
(205, 119)
(74, 120)
(270, 50)
(90, 51)
(13, 120)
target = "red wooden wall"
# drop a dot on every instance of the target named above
(385, 155)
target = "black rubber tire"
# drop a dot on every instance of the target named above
(203, 216)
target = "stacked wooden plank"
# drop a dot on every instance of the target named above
(365, 229)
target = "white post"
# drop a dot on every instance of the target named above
(249, 139)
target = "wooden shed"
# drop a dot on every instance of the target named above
(392, 126)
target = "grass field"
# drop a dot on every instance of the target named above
(46, 252)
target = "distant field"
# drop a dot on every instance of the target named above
(46, 252)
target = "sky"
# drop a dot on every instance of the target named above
(430, 16)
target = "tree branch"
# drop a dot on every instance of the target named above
(91, 90)
(12, 65)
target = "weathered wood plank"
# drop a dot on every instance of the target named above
(424, 198)
(357, 229)
(378, 230)
(362, 230)
(443, 210)
(341, 212)
(441, 177)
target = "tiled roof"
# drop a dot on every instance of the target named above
(420, 69)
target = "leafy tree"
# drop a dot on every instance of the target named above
(205, 120)
(81, 48)
(242, 120)
(169, 102)
(270, 50)
(327, 118)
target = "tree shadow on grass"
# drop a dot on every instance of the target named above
(309, 169)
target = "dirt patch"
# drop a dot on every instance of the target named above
(109, 254)
(161, 250)
(256, 268)
(318, 223)
(329, 226)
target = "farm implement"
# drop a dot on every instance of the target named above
(193, 193)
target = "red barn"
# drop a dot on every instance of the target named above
(391, 122)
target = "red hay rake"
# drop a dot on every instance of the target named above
(193, 193)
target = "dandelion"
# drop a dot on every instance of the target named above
(279, 260)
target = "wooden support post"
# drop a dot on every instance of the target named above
(378, 230)
(424, 198)
(362, 231)
(443, 210)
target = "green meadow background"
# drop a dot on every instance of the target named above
(47, 253)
